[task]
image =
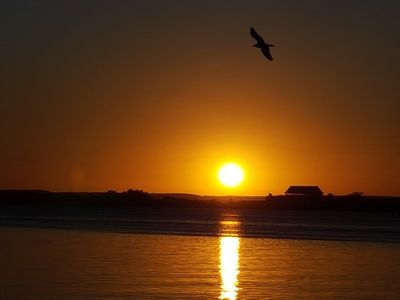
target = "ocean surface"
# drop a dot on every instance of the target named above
(65, 253)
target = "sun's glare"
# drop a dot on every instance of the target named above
(229, 267)
(231, 175)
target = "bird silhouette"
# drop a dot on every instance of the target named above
(261, 44)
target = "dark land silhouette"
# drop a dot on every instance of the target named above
(351, 217)
(138, 198)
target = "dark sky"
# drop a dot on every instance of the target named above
(156, 95)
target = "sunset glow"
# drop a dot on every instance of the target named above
(162, 114)
(200, 149)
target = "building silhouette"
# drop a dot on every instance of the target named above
(303, 190)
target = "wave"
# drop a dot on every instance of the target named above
(287, 225)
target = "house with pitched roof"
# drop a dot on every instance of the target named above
(304, 190)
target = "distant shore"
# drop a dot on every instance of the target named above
(139, 198)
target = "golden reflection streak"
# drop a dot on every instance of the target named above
(229, 263)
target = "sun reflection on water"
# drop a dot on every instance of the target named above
(229, 244)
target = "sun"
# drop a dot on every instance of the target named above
(231, 175)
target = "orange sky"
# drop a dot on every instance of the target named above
(156, 95)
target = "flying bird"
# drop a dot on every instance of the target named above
(261, 44)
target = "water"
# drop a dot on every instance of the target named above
(324, 225)
(216, 256)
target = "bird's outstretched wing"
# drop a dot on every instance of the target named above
(255, 35)
(267, 53)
